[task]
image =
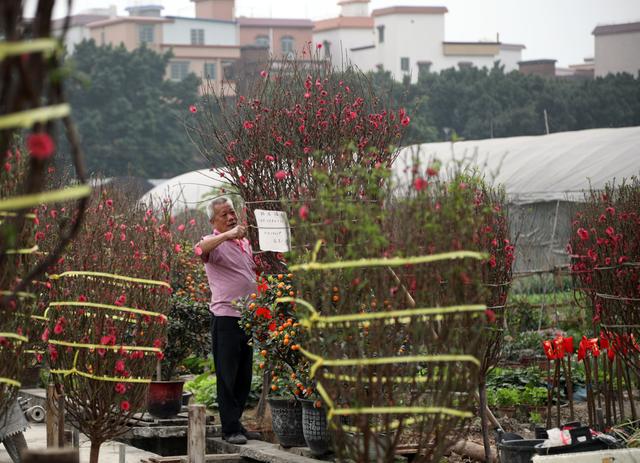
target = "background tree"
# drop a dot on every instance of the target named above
(485, 103)
(127, 111)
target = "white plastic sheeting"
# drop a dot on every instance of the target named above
(541, 168)
(187, 191)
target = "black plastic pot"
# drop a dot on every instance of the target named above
(165, 398)
(315, 428)
(518, 451)
(286, 419)
(581, 441)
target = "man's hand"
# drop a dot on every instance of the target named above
(236, 233)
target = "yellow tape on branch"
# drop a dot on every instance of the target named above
(15, 336)
(15, 214)
(112, 276)
(401, 410)
(26, 201)
(367, 316)
(101, 346)
(10, 382)
(442, 358)
(46, 46)
(75, 371)
(390, 262)
(26, 119)
(380, 379)
(105, 306)
(18, 294)
(22, 251)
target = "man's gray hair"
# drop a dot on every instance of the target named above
(220, 200)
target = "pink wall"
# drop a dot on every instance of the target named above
(300, 37)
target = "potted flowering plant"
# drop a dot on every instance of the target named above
(276, 335)
(187, 330)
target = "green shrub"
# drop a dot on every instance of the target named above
(534, 396)
(204, 389)
(507, 397)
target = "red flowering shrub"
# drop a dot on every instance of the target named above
(295, 120)
(605, 252)
(17, 237)
(108, 302)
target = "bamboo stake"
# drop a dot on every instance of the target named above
(605, 387)
(549, 386)
(620, 391)
(627, 376)
(569, 388)
(557, 378)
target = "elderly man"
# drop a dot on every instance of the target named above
(231, 273)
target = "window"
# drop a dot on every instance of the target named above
(210, 71)
(262, 41)
(228, 70)
(327, 48)
(287, 45)
(197, 36)
(380, 34)
(404, 64)
(145, 33)
(179, 70)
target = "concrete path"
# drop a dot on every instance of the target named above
(36, 437)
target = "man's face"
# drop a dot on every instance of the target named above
(224, 217)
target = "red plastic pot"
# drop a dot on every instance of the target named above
(165, 398)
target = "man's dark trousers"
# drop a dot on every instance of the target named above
(233, 359)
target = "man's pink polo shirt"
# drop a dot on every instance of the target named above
(231, 272)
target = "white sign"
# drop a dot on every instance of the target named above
(274, 233)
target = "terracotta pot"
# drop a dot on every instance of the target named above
(165, 398)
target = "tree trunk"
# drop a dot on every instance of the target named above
(95, 452)
(482, 390)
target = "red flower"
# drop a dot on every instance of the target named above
(264, 313)
(177, 248)
(583, 234)
(248, 125)
(120, 388)
(7, 167)
(281, 175)
(198, 250)
(272, 326)
(109, 202)
(108, 236)
(40, 146)
(303, 212)
(264, 74)
(120, 368)
(319, 46)
(568, 345)
(548, 350)
(405, 121)
(431, 172)
(491, 315)
(125, 406)
(181, 227)
(419, 184)
(193, 108)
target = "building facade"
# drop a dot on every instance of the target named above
(281, 37)
(616, 49)
(404, 40)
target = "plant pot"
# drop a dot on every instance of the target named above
(164, 399)
(186, 397)
(315, 428)
(286, 418)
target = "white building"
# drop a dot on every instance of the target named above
(77, 30)
(617, 49)
(404, 40)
